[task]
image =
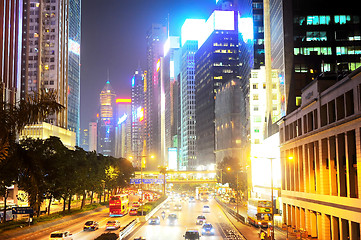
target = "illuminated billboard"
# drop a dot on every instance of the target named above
(171, 42)
(140, 114)
(122, 119)
(74, 47)
(158, 65)
(192, 29)
(172, 158)
(200, 30)
(245, 27)
(223, 20)
(123, 100)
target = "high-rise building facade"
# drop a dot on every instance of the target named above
(168, 89)
(106, 121)
(84, 139)
(123, 122)
(45, 52)
(93, 136)
(73, 90)
(322, 38)
(10, 49)
(225, 55)
(155, 39)
(139, 84)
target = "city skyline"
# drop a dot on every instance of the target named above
(125, 52)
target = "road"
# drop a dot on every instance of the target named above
(76, 226)
(187, 220)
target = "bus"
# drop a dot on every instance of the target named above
(259, 212)
(118, 205)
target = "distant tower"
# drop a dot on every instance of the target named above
(139, 87)
(106, 121)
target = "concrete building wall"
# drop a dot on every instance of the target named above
(323, 136)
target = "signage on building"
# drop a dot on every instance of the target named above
(22, 210)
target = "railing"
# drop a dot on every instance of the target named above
(236, 215)
(128, 229)
(125, 231)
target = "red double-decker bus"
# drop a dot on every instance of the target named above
(118, 205)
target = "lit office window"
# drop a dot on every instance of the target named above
(342, 19)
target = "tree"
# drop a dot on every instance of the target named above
(163, 170)
(13, 118)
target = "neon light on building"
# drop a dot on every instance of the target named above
(158, 65)
(74, 47)
(123, 100)
(122, 119)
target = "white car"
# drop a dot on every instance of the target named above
(114, 224)
(206, 209)
(61, 235)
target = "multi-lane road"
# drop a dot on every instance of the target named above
(187, 220)
(223, 228)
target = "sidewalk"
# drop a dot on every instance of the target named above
(250, 232)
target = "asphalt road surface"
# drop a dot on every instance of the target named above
(187, 220)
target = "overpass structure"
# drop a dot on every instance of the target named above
(182, 177)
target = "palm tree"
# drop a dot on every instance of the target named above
(163, 170)
(13, 119)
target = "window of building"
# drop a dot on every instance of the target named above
(255, 86)
(342, 19)
(318, 20)
(255, 108)
(298, 101)
(255, 96)
(316, 36)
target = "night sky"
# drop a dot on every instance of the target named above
(113, 37)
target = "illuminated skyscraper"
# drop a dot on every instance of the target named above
(45, 52)
(93, 136)
(189, 39)
(156, 36)
(74, 39)
(46, 63)
(10, 49)
(225, 55)
(123, 122)
(168, 89)
(139, 86)
(106, 121)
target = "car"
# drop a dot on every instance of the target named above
(155, 220)
(139, 238)
(91, 225)
(114, 224)
(172, 219)
(201, 220)
(136, 204)
(191, 199)
(178, 207)
(133, 212)
(206, 209)
(207, 229)
(166, 206)
(66, 235)
(191, 234)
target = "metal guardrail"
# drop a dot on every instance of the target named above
(236, 215)
(125, 231)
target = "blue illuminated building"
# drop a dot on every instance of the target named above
(74, 39)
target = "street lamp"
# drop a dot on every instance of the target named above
(272, 204)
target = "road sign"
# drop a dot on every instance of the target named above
(146, 181)
(22, 210)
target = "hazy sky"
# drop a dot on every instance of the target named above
(113, 37)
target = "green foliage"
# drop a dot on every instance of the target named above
(229, 169)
